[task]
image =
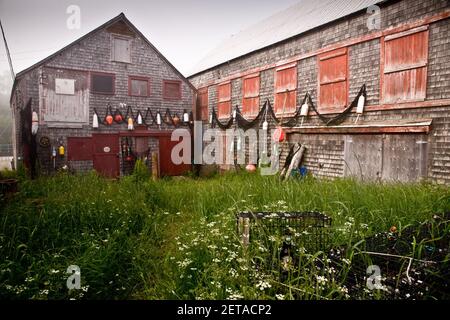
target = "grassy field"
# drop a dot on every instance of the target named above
(177, 239)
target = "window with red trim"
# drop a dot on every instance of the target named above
(138, 86)
(286, 88)
(333, 80)
(224, 100)
(250, 95)
(404, 65)
(103, 83)
(202, 103)
(172, 89)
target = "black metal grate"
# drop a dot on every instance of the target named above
(304, 230)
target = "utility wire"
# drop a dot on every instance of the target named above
(7, 53)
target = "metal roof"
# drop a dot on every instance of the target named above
(299, 18)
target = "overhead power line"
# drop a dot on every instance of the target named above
(7, 53)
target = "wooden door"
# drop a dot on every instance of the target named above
(166, 166)
(106, 154)
(363, 155)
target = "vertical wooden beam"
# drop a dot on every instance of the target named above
(155, 165)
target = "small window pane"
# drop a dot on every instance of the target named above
(172, 89)
(102, 83)
(139, 87)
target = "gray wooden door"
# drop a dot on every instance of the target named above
(389, 157)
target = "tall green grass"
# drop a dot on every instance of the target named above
(176, 238)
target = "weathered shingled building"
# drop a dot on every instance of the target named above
(330, 49)
(111, 74)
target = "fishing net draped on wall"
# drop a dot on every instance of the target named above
(267, 110)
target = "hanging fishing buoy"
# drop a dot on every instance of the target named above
(239, 144)
(278, 135)
(360, 107)
(130, 123)
(210, 118)
(304, 110)
(54, 157)
(185, 116)
(139, 118)
(61, 150)
(118, 118)
(176, 120)
(109, 120)
(95, 120)
(234, 114)
(265, 125)
(168, 118)
(158, 118)
(34, 123)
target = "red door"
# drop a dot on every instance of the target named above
(166, 166)
(106, 154)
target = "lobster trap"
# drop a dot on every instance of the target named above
(307, 231)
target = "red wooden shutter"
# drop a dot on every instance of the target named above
(79, 148)
(333, 86)
(202, 103)
(224, 100)
(286, 88)
(250, 100)
(404, 71)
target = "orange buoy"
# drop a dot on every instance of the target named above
(109, 119)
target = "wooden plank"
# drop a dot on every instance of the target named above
(396, 106)
(405, 33)
(402, 158)
(418, 127)
(363, 156)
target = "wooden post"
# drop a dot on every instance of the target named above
(295, 161)
(246, 232)
(155, 165)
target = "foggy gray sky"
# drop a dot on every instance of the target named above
(183, 30)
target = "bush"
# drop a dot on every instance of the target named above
(141, 171)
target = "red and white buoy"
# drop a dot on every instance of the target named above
(34, 123)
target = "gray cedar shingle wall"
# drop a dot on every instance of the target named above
(325, 152)
(93, 54)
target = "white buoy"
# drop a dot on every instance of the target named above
(95, 121)
(234, 114)
(34, 123)
(304, 110)
(360, 107)
(139, 118)
(158, 118)
(185, 117)
(265, 125)
(239, 143)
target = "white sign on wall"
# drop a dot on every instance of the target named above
(65, 86)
